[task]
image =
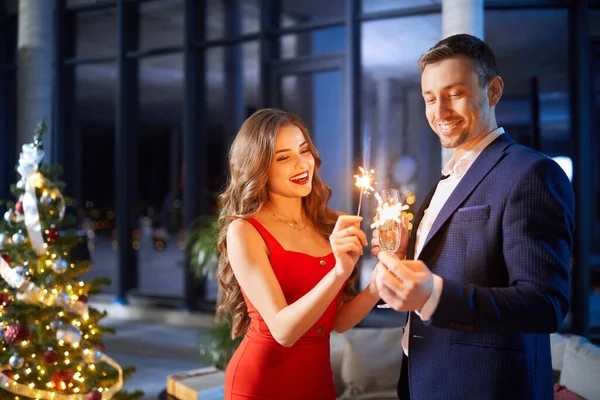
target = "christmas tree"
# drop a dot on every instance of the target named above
(51, 340)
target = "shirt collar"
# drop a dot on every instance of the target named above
(460, 167)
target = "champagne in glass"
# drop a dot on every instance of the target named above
(389, 230)
(389, 235)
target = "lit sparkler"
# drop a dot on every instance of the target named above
(364, 181)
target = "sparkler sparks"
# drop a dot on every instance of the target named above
(387, 212)
(364, 182)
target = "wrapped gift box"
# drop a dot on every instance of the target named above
(198, 384)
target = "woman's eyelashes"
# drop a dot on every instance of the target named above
(283, 158)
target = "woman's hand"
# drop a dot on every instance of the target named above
(347, 241)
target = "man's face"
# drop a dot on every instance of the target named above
(457, 107)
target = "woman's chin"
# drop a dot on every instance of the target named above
(304, 190)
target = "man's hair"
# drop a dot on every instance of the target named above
(467, 46)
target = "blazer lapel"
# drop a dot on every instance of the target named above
(484, 163)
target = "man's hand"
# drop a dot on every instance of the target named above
(403, 284)
(404, 237)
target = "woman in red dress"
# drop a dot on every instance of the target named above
(287, 264)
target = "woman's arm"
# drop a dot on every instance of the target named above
(250, 264)
(351, 313)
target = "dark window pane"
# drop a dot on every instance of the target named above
(94, 120)
(161, 24)
(251, 68)
(250, 16)
(96, 33)
(295, 12)
(159, 206)
(215, 19)
(595, 24)
(11, 7)
(161, 89)
(95, 92)
(11, 40)
(216, 25)
(71, 3)
(542, 55)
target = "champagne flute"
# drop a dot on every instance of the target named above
(389, 229)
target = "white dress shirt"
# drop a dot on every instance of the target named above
(455, 170)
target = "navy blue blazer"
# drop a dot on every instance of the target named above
(502, 243)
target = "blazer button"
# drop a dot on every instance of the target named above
(323, 263)
(320, 330)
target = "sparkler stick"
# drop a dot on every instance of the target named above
(364, 182)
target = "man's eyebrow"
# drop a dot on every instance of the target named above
(450, 86)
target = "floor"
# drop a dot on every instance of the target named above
(157, 342)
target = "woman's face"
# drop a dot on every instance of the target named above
(292, 169)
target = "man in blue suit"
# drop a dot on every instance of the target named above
(485, 275)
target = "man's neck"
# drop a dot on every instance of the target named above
(460, 151)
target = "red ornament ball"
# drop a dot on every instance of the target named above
(82, 298)
(61, 378)
(50, 357)
(8, 373)
(6, 258)
(19, 207)
(16, 333)
(94, 395)
(52, 233)
(5, 300)
(100, 346)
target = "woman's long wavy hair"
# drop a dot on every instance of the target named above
(250, 159)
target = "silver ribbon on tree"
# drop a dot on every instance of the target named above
(29, 292)
(31, 156)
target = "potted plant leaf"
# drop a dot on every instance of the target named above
(217, 347)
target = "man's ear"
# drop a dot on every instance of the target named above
(495, 88)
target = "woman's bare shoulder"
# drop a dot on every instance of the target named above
(240, 228)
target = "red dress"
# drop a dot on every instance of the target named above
(263, 369)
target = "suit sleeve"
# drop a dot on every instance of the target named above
(537, 238)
